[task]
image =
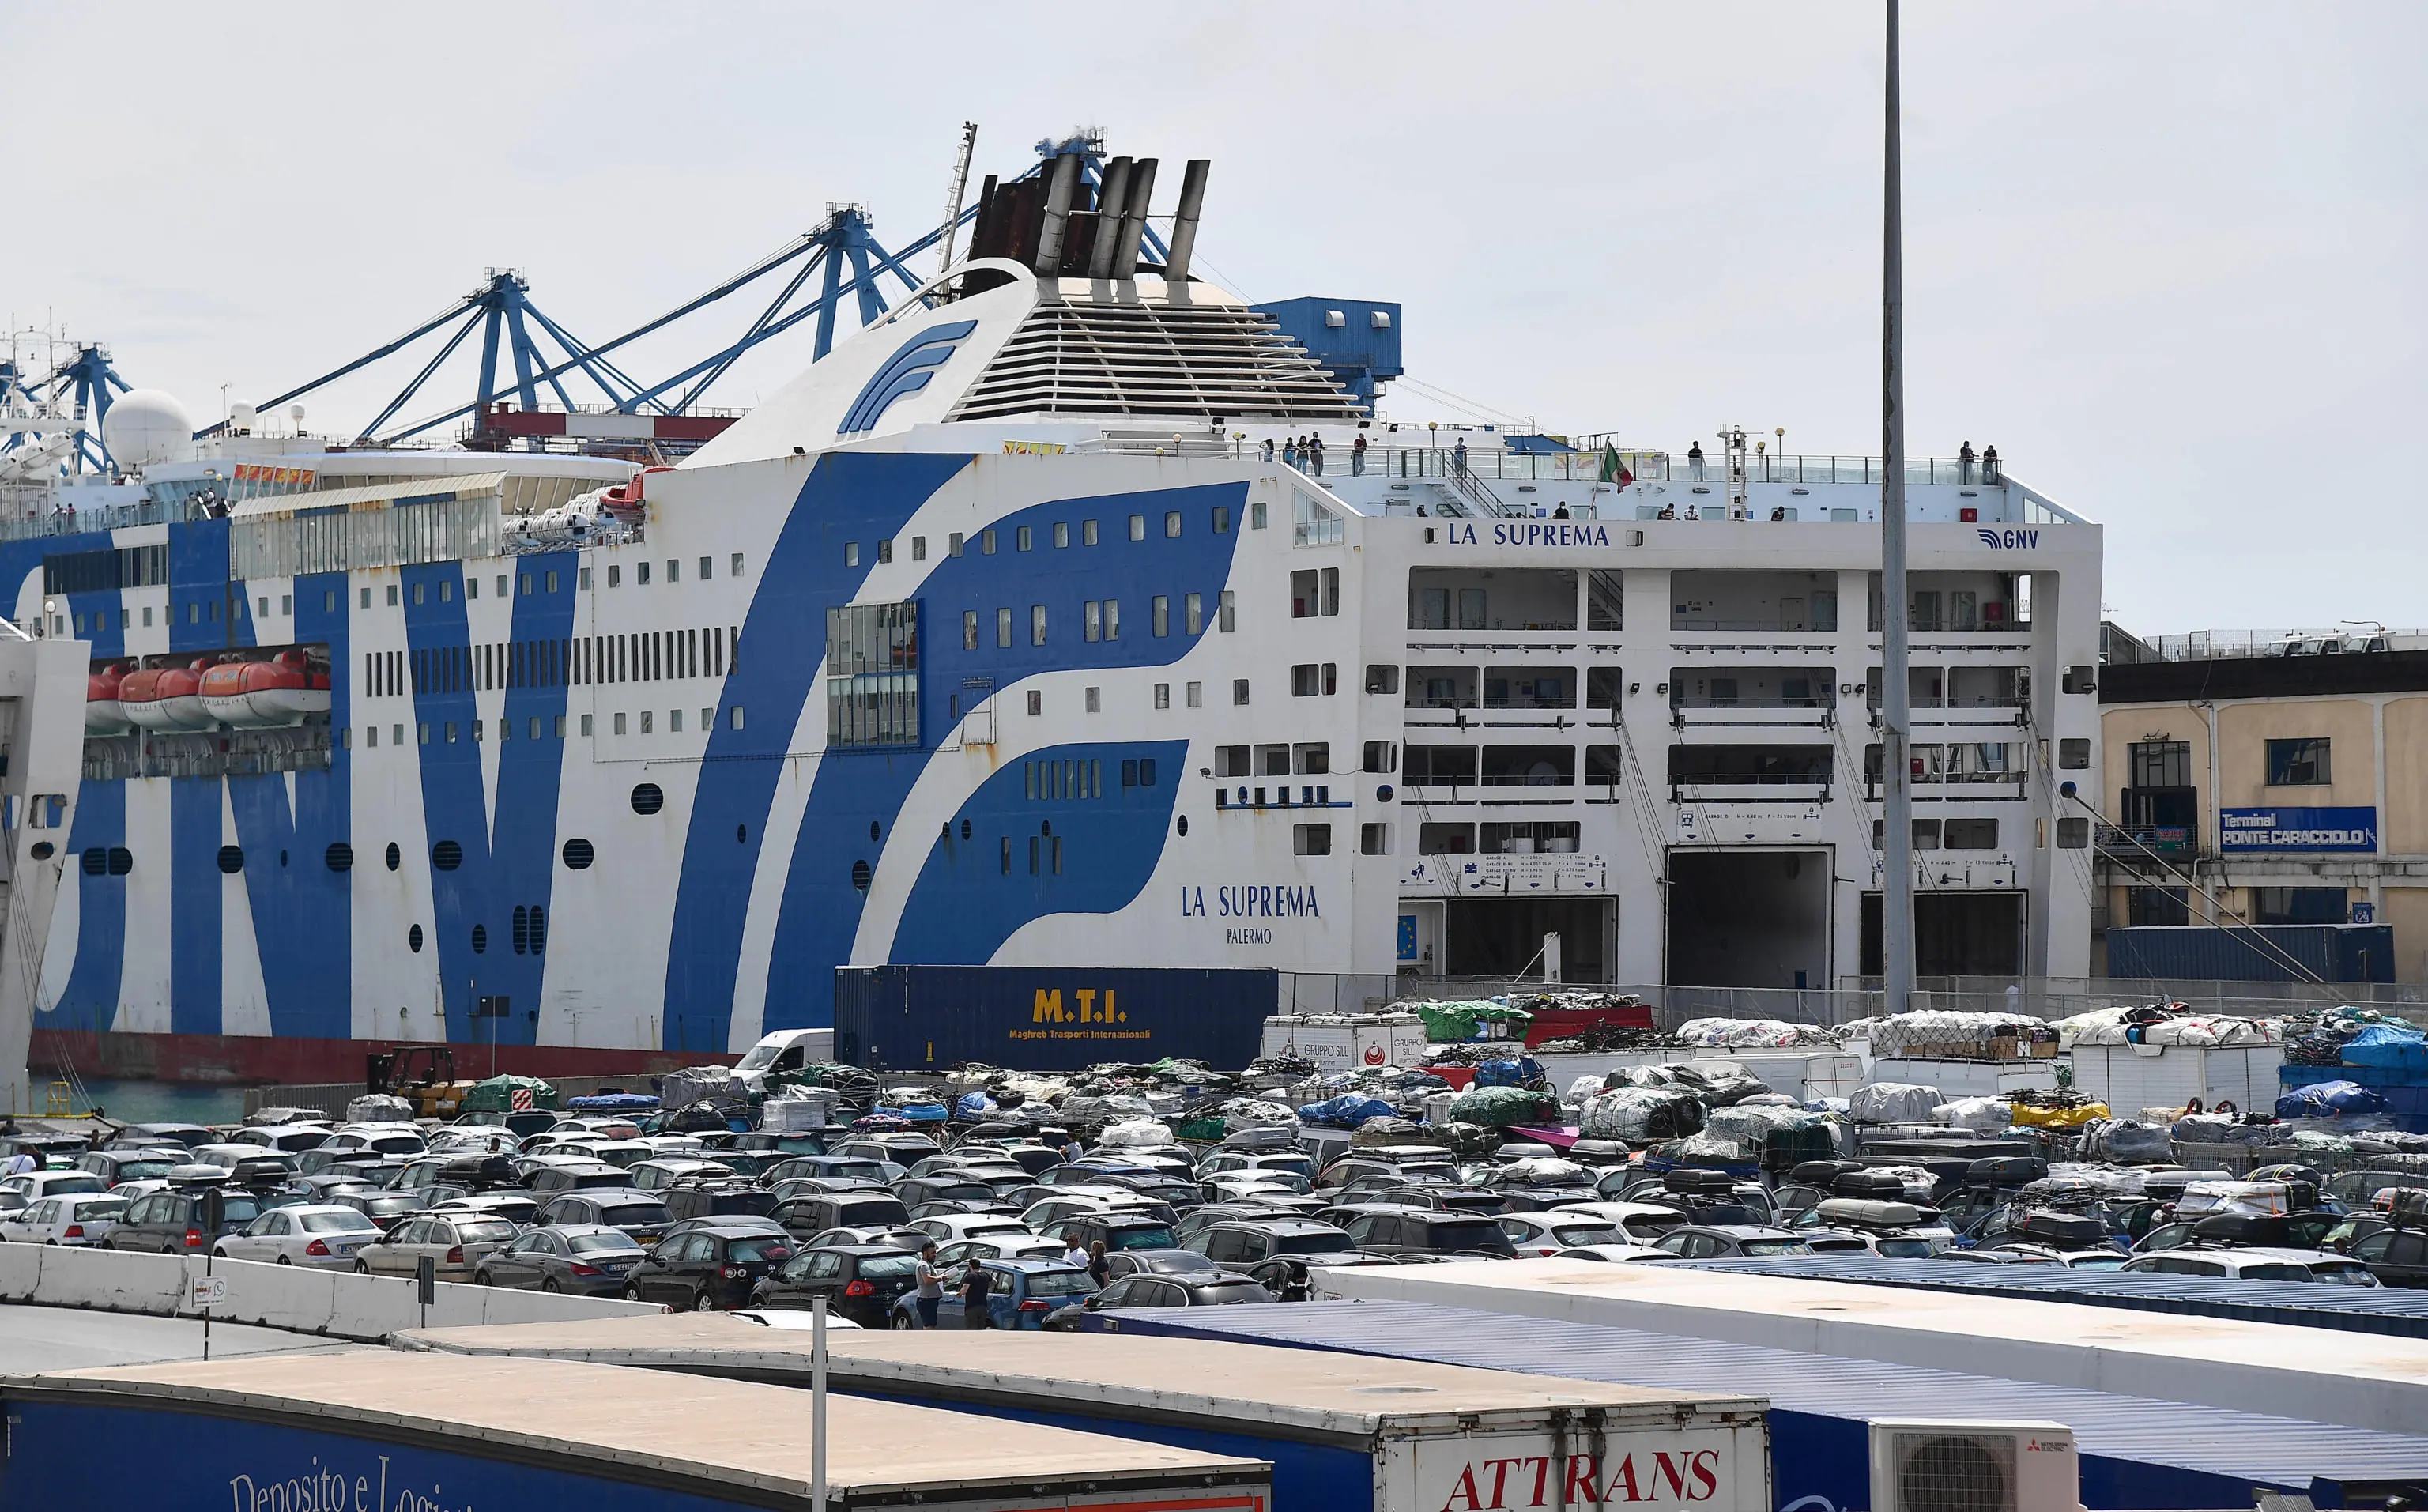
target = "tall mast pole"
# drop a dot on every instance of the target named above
(1896, 716)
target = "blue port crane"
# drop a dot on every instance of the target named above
(841, 259)
(83, 387)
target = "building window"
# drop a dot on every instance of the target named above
(872, 675)
(1374, 839)
(2073, 834)
(1197, 694)
(2170, 906)
(1163, 695)
(2298, 762)
(2298, 905)
(1311, 839)
(1239, 693)
(2161, 763)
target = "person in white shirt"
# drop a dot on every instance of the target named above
(1076, 1254)
(22, 1163)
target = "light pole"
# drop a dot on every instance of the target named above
(1896, 716)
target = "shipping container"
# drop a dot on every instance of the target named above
(1341, 1432)
(1342, 1041)
(367, 1429)
(2135, 1452)
(2130, 1077)
(2258, 952)
(1047, 1018)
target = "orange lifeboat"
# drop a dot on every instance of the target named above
(280, 691)
(103, 714)
(165, 698)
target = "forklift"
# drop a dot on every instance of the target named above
(423, 1075)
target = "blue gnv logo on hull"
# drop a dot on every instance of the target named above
(2009, 539)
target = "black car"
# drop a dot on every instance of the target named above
(636, 1212)
(723, 1200)
(1181, 1262)
(1405, 1231)
(576, 1176)
(1144, 1290)
(385, 1209)
(860, 1209)
(114, 1166)
(183, 1221)
(1243, 1244)
(1115, 1231)
(860, 1281)
(946, 1186)
(134, 1136)
(708, 1267)
(2397, 1256)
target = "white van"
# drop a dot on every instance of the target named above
(784, 1050)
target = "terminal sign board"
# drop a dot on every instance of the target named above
(2271, 828)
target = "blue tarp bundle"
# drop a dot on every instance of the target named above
(612, 1102)
(1509, 1073)
(2329, 1099)
(1348, 1110)
(973, 1105)
(2394, 1046)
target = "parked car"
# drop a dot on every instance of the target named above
(1159, 1262)
(323, 1237)
(841, 1209)
(2257, 1265)
(1198, 1219)
(516, 1207)
(581, 1259)
(650, 1175)
(1115, 1231)
(1025, 1293)
(841, 1167)
(1075, 1201)
(1163, 1292)
(1617, 1253)
(708, 1267)
(1229, 1162)
(1023, 1246)
(722, 1199)
(888, 1234)
(637, 1213)
(76, 1219)
(1548, 1231)
(457, 1243)
(1722, 1241)
(944, 1229)
(183, 1220)
(571, 1175)
(192, 1136)
(1413, 1231)
(284, 1138)
(861, 1282)
(2397, 1256)
(903, 1148)
(18, 1191)
(1241, 1244)
(384, 1209)
(114, 1166)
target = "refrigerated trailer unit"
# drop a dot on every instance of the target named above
(1341, 1430)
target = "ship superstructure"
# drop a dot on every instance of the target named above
(1023, 630)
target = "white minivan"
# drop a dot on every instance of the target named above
(784, 1050)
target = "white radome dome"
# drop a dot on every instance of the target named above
(146, 426)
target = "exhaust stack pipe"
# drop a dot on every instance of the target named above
(1110, 199)
(1184, 220)
(1133, 231)
(1058, 215)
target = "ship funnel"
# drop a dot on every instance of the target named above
(1058, 215)
(1183, 219)
(1133, 228)
(1109, 201)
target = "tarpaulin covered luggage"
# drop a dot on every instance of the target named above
(2039, 1115)
(1348, 1110)
(2329, 1099)
(613, 1102)
(1893, 1102)
(2388, 1047)
(1501, 1107)
(1641, 1114)
(1508, 1073)
(378, 1108)
(2263, 1198)
(505, 1094)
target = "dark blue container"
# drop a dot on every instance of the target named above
(1047, 1018)
(2200, 952)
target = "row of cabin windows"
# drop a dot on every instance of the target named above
(1091, 533)
(645, 656)
(535, 581)
(446, 856)
(1100, 619)
(535, 726)
(1051, 780)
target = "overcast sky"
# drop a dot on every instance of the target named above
(2167, 256)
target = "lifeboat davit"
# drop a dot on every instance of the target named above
(103, 714)
(251, 694)
(165, 698)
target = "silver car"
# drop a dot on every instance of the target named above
(584, 1259)
(325, 1238)
(455, 1243)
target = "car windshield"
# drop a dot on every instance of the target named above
(143, 1170)
(746, 1164)
(2342, 1276)
(768, 1248)
(604, 1244)
(337, 1223)
(1314, 1241)
(1467, 1233)
(760, 1055)
(398, 1144)
(2098, 1262)
(494, 1228)
(888, 1267)
(2277, 1272)
(633, 1212)
(61, 1186)
(853, 1170)
(1907, 1249)
(1157, 1238)
(1060, 1283)
(1773, 1246)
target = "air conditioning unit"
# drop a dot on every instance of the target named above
(1924, 1466)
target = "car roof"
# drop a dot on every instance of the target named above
(733, 1228)
(1276, 1226)
(863, 1249)
(1031, 1267)
(1741, 1230)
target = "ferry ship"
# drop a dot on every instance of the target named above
(1075, 613)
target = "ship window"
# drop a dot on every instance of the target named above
(1061, 534)
(231, 859)
(986, 543)
(1240, 692)
(1311, 839)
(873, 674)
(641, 574)
(586, 726)
(735, 718)
(614, 576)
(412, 939)
(1172, 523)
(1095, 701)
(619, 722)
(480, 939)
(1162, 615)
(579, 854)
(1194, 617)
(96, 862)
(648, 799)
(40, 850)
(860, 875)
(1024, 539)
(1197, 694)
(708, 568)
(1087, 532)
(420, 590)
(1163, 695)
(1037, 624)
(1007, 855)
(539, 931)
(1035, 702)
(340, 857)
(969, 630)
(122, 861)
(953, 544)
(1226, 614)
(522, 931)
(471, 587)
(552, 580)
(395, 857)
(648, 720)
(447, 855)
(366, 598)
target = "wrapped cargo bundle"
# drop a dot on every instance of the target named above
(1641, 1114)
(1893, 1102)
(1104, 1107)
(2029, 1114)
(1939, 1034)
(2330, 1099)
(1467, 1141)
(1983, 1115)
(2262, 1198)
(1136, 1131)
(1348, 1110)
(2387, 1047)
(2126, 1141)
(681, 1088)
(1388, 1130)
(1751, 1034)
(1255, 1112)
(1501, 1107)
(378, 1108)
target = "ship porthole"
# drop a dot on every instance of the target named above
(447, 855)
(340, 857)
(395, 857)
(860, 875)
(1184, 826)
(648, 799)
(579, 854)
(231, 859)
(412, 939)
(480, 939)
(42, 850)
